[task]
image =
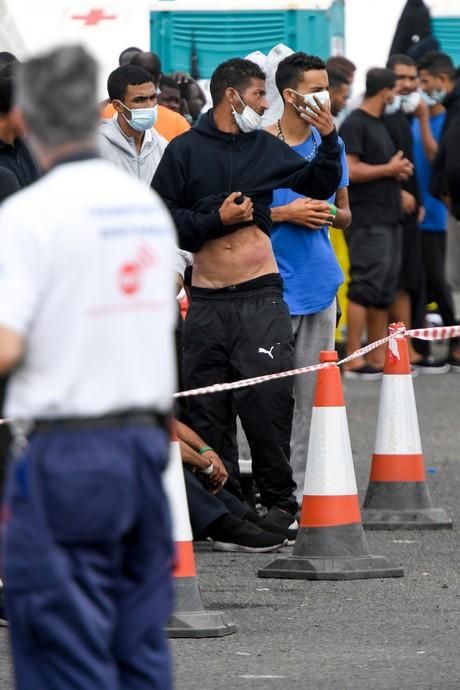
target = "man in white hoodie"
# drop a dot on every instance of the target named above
(129, 140)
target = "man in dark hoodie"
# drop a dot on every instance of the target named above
(14, 154)
(217, 180)
(437, 77)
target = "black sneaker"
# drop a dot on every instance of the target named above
(231, 533)
(429, 365)
(454, 365)
(280, 522)
(365, 373)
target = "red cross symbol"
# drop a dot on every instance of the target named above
(93, 17)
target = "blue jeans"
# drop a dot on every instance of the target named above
(87, 560)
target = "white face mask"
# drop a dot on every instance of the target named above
(248, 120)
(394, 106)
(411, 102)
(322, 96)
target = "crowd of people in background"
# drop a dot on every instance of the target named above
(252, 174)
(254, 208)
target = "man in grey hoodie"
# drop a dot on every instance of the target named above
(129, 140)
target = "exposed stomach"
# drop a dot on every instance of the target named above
(245, 254)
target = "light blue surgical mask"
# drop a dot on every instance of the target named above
(141, 118)
(394, 106)
(438, 95)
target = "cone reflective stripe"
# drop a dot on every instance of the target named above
(397, 495)
(330, 544)
(190, 619)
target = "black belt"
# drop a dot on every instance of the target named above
(128, 417)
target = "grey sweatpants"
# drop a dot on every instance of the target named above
(312, 333)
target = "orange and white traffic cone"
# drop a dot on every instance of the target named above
(330, 544)
(190, 619)
(397, 496)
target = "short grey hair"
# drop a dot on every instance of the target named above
(57, 93)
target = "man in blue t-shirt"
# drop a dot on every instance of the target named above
(300, 237)
(427, 128)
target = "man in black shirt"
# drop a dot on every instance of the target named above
(376, 170)
(14, 153)
(217, 180)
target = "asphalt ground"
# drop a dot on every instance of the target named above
(393, 634)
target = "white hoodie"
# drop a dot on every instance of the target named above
(115, 146)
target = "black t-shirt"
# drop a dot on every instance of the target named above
(377, 202)
(399, 129)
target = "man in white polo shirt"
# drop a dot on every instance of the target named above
(87, 315)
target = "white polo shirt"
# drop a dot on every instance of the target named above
(87, 278)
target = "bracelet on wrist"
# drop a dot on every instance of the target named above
(205, 449)
(208, 470)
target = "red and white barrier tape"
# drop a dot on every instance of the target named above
(219, 387)
(421, 333)
(441, 333)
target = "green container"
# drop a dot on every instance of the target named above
(447, 31)
(221, 34)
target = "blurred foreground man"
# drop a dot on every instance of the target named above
(86, 323)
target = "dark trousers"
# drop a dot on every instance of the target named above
(88, 560)
(205, 508)
(437, 287)
(236, 333)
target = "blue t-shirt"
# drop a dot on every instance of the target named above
(305, 258)
(435, 211)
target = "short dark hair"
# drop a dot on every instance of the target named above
(343, 64)
(124, 58)
(149, 61)
(235, 73)
(6, 88)
(169, 81)
(400, 59)
(337, 78)
(377, 79)
(290, 70)
(122, 77)
(436, 63)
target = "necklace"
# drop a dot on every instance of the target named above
(311, 155)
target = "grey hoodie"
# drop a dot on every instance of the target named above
(115, 146)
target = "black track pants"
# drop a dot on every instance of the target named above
(235, 333)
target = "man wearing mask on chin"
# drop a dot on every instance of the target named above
(129, 140)
(300, 237)
(376, 170)
(437, 78)
(409, 305)
(218, 180)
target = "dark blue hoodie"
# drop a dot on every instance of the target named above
(200, 168)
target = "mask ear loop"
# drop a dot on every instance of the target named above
(122, 114)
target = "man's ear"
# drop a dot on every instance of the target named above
(231, 96)
(289, 96)
(117, 106)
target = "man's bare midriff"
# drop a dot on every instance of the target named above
(245, 254)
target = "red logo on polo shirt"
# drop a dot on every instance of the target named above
(130, 278)
(130, 273)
